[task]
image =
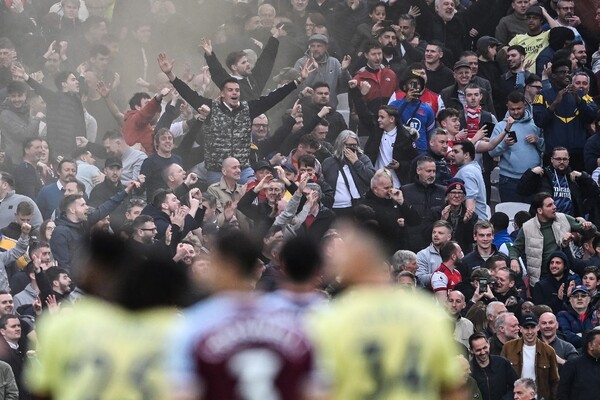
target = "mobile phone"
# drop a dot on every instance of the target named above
(490, 128)
(413, 85)
(513, 136)
(483, 285)
(387, 23)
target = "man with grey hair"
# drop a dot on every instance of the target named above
(492, 311)
(525, 389)
(392, 212)
(507, 328)
(404, 260)
(447, 28)
(319, 218)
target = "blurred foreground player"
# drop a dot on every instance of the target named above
(378, 342)
(235, 344)
(109, 345)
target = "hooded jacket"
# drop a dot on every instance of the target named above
(546, 290)
(329, 71)
(521, 156)
(16, 126)
(583, 188)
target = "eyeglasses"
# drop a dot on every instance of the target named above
(561, 159)
(351, 145)
(260, 126)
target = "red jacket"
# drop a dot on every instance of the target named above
(137, 128)
(383, 82)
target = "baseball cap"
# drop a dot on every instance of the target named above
(113, 162)
(535, 10)
(528, 320)
(461, 64)
(263, 165)
(485, 41)
(581, 289)
(289, 167)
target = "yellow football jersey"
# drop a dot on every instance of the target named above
(384, 343)
(100, 351)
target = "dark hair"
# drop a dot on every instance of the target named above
(473, 86)
(136, 99)
(490, 263)
(372, 44)
(99, 49)
(93, 20)
(446, 113)
(141, 220)
(8, 178)
(240, 249)
(537, 200)
(226, 81)
(515, 97)
(559, 148)
(62, 77)
(27, 143)
(521, 217)
(307, 160)
(374, 6)
(447, 250)
(532, 78)
(233, 58)
(25, 208)
(476, 336)
(35, 245)
(562, 62)
(301, 259)
(64, 161)
(309, 140)
(518, 48)
(17, 87)
(42, 230)
(320, 84)
(53, 273)
(391, 112)
(500, 221)
(159, 196)
(587, 339)
(467, 147)
(4, 319)
(68, 200)
(512, 276)
(317, 18)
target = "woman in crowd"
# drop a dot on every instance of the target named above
(349, 172)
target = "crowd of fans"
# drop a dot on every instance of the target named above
(147, 143)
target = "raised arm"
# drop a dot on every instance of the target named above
(194, 99)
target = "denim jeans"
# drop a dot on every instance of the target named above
(508, 190)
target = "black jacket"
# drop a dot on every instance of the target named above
(496, 381)
(424, 200)
(579, 379)
(582, 189)
(450, 98)
(387, 212)
(404, 150)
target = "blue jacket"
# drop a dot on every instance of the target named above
(570, 324)
(566, 125)
(521, 156)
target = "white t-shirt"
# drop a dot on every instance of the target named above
(386, 149)
(528, 370)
